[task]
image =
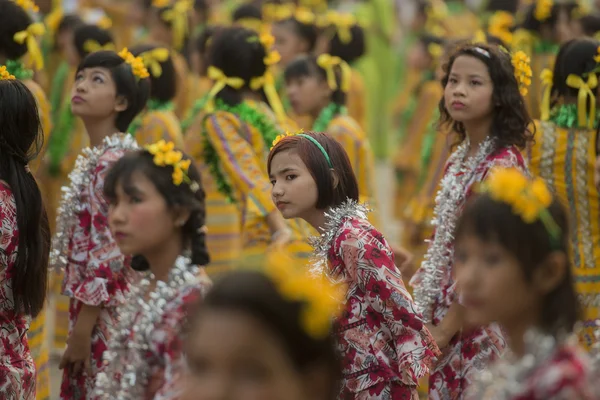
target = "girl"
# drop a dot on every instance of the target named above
(158, 120)
(25, 237)
(66, 141)
(228, 138)
(110, 89)
(250, 339)
(482, 105)
(382, 339)
(564, 153)
(156, 215)
(513, 238)
(318, 86)
(546, 26)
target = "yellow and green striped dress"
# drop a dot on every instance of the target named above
(564, 158)
(159, 124)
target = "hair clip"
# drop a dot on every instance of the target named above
(483, 52)
(165, 155)
(5, 75)
(136, 63)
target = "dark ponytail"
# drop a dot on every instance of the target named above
(175, 196)
(20, 142)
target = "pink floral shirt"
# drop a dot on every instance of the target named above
(380, 336)
(17, 370)
(96, 273)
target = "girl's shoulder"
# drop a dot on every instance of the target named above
(506, 157)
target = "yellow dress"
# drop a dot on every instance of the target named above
(37, 331)
(356, 100)
(407, 158)
(565, 159)
(159, 124)
(533, 100)
(348, 133)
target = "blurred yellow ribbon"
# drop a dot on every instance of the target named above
(546, 76)
(153, 58)
(267, 82)
(343, 24)
(29, 37)
(92, 46)
(304, 16)
(178, 17)
(220, 81)
(253, 24)
(328, 63)
(585, 92)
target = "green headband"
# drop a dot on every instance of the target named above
(312, 139)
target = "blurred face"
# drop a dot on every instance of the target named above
(94, 94)
(418, 57)
(71, 54)
(140, 220)
(577, 29)
(288, 43)
(308, 94)
(232, 356)
(468, 94)
(563, 32)
(63, 40)
(294, 190)
(491, 283)
(137, 13)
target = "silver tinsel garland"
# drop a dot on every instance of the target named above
(448, 203)
(71, 202)
(507, 378)
(333, 220)
(126, 371)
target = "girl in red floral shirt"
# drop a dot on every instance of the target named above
(24, 237)
(512, 267)
(385, 345)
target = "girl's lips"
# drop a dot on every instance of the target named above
(281, 204)
(457, 105)
(77, 99)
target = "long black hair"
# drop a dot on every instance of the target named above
(20, 142)
(13, 19)
(136, 91)
(255, 294)
(511, 125)
(175, 196)
(238, 53)
(531, 244)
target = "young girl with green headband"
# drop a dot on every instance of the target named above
(564, 154)
(382, 339)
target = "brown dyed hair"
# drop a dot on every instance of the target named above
(315, 161)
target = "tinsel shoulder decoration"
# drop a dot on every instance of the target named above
(334, 218)
(72, 203)
(127, 370)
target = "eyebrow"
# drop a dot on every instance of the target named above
(470, 75)
(283, 171)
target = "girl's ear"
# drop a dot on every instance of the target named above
(181, 215)
(551, 272)
(335, 178)
(121, 104)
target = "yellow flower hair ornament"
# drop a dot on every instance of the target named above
(254, 24)
(523, 73)
(153, 58)
(499, 25)
(92, 46)
(304, 16)
(584, 93)
(543, 10)
(529, 199)
(178, 17)
(165, 155)
(283, 135)
(136, 64)
(27, 5)
(479, 37)
(29, 37)
(547, 77)
(321, 299)
(328, 63)
(5, 75)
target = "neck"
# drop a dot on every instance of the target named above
(477, 132)
(2, 59)
(317, 111)
(162, 259)
(516, 330)
(252, 96)
(316, 219)
(98, 129)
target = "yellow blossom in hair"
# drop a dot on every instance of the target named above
(523, 73)
(283, 135)
(177, 176)
(273, 57)
(164, 154)
(28, 5)
(597, 56)
(304, 16)
(5, 75)
(267, 40)
(136, 63)
(161, 3)
(543, 10)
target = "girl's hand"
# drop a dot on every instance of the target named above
(77, 356)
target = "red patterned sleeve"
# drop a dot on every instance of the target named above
(368, 259)
(105, 275)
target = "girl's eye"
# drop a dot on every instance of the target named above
(78, 77)
(135, 200)
(452, 80)
(492, 259)
(460, 256)
(475, 83)
(98, 79)
(290, 177)
(273, 181)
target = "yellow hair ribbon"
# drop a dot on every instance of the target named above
(585, 92)
(153, 58)
(178, 17)
(220, 81)
(104, 22)
(5, 75)
(53, 19)
(253, 24)
(28, 36)
(267, 82)
(543, 10)
(92, 46)
(546, 77)
(27, 5)
(328, 63)
(343, 24)
(500, 24)
(304, 16)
